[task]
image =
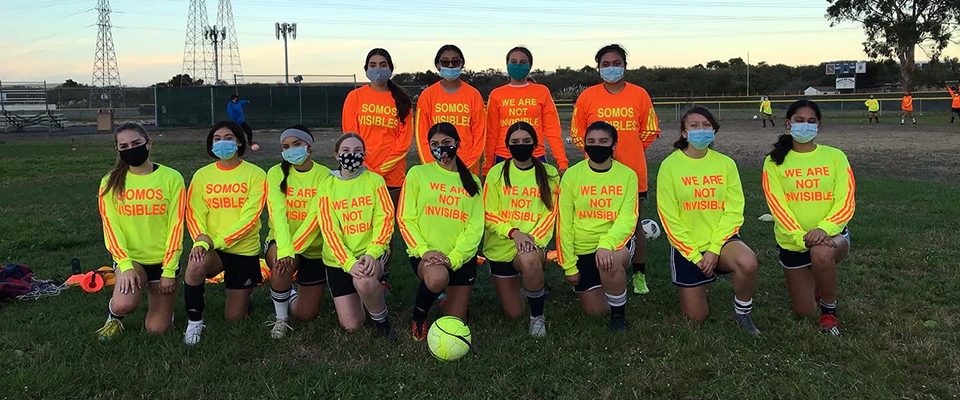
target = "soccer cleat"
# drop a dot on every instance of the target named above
(418, 330)
(828, 325)
(538, 327)
(278, 328)
(110, 329)
(385, 330)
(640, 283)
(618, 323)
(746, 323)
(192, 334)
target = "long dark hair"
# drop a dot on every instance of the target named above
(436, 59)
(785, 142)
(285, 165)
(543, 179)
(682, 142)
(118, 175)
(400, 96)
(466, 177)
(237, 131)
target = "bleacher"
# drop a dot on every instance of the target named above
(24, 105)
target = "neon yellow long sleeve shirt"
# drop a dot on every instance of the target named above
(598, 210)
(288, 209)
(873, 105)
(517, 206)
(355, 218)
(225, 204)
(808, 191)
(700, 202)
(144, 224)
(437, 213)
(765, 107)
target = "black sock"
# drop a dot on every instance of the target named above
(764, 123)
(424, 301)
(193, 301)
(617, 303)
(618, 311)
(640, 267)
(772, 124)
(536, 300)
(828, 308)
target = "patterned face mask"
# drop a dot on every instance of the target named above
(444, 153)
(351, 162)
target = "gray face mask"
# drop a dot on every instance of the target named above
(379, 75)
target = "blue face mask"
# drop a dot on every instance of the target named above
(611, 74)
(224, 149)
(803, 132)
(295, 155)
(700, 138)
(379, 75)
(518, 71)
(450, 74)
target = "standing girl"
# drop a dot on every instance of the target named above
(141, 207)
(810, 189)
(520, 202)
(441, 220)
(700, 202)
(598, 214)
(453, 101)
(522, 100)
(355, 215)
(629, 109)
(225, 200)
(291, 186)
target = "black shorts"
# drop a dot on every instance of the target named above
(956, 110)
(240, 272)
(684, 273)
(310, 271)
(154, 271)
(503, 269)
(589, 273)
(796, 259)
(341, 282)
(641, 196)
(463, 276)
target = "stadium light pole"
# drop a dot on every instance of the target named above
(748, 73)
(284, 30)
(217, 37)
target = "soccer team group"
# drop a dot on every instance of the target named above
(332, 229)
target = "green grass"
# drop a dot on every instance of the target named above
(902, 274)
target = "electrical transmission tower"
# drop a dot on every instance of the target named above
(197, 57)
(230, 50)
(106, 76)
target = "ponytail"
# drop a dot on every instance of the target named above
(466, 178)
(117, 182)
(402, 100)
(780, 149)
(285, 167)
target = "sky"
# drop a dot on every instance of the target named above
(54, 40)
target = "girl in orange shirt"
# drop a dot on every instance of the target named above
(522, 100)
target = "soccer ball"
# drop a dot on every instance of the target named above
(448, 338)
(650, 229)
(755, 116)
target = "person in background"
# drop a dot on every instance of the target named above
(810, 190)
(522, 100)
(630, 110)
(954, 102)
(873, 107)
(906, 109)
(141, 207)
(766, 111)
(235, 114)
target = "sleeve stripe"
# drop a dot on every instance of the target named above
(776, 208)
(256, 218)
(636, 214)
(541, 231)
(683, 247)
(846, 212)
(108, 231)
(411, 242)
(175, 244)
(327, 227)
(191, 219)
(299, 243)
(387, 230)
(559, 239)
(417, 138)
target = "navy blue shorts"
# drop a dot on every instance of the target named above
(796, 259)
(684, 273)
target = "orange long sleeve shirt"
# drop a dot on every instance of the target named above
(956, 98)
(907, 103)
(462, 108)
(373, 115)
(531, 103)
(631, 112)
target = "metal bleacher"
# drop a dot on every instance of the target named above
(24, 105)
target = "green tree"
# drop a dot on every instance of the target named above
(898, 27)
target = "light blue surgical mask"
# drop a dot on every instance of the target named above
(224, 149)
(295, 155)
(611, 74)
(379, 75)
(518, 71)
(700, 138)
(450, 74)
(803, 132)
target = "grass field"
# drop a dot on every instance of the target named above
(899, 300)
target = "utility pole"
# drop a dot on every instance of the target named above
(196, 54)
(216, 37)
(106, 76)
(285, 30)
(748, 73)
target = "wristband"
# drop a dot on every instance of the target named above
(510, 233)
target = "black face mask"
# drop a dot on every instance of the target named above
(521, 152)
(135, 156)
(444, 153)
(598, 154)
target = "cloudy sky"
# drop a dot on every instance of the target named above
(54, 39)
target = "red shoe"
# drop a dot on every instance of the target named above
(418, 330)
(828, 325)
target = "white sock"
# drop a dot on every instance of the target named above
(380, 316)
(281, 304)
(194, 323)
(742, 307)
(617, 300)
